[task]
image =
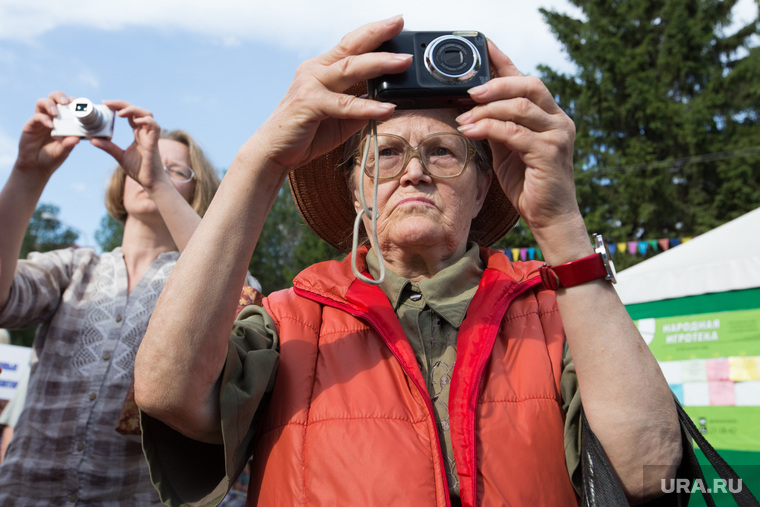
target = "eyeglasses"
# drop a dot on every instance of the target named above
(179, 173)
(442, 155)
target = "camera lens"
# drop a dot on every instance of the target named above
(88, 115)
(452, 59)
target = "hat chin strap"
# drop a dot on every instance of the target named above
(371, 212)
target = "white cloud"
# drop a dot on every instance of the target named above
(78, 186)
(304, 26)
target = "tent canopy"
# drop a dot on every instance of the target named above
(726, 258)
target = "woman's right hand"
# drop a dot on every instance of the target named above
(315, 116)
(38, 151)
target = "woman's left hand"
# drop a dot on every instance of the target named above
(531, 138)
(141, 160)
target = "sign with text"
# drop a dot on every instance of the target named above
(14, 361)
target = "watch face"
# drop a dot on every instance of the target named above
(600, 246)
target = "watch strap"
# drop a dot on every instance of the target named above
(574, 272)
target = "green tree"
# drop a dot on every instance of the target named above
(286, 246)
(665, 104)
(109, 233)
(44, 233)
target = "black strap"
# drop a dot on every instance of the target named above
(602, 488)
(743, 497)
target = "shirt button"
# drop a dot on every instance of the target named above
(415, 297)
(106, 356)
(118, 318)
(80, 446)
(93, 396)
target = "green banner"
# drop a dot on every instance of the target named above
(734, 428)
(705, 335)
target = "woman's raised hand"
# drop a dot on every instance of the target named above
(37, 149)
(315, 115)
(141, 160)
(531, 138)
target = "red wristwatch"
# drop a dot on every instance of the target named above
(591, 267)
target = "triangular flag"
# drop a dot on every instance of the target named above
(531, 253)
(612, 247)
(632, 247)
(515, 254)
(664, 243)
(653, 245)
(675, 241)
(539, 254)
(684, 240)
(621, 247)
(643, 245)
(523, 254)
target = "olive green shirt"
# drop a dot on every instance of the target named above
(430, 313)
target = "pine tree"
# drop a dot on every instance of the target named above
(665, 104)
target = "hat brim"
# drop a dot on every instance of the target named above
(325, 203)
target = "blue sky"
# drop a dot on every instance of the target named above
(215, 69)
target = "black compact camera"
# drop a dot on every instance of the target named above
(445, 66)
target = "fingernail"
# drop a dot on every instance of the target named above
(465, 128)
(402, 57)
(478, 90)
(393, 20)
(387, 106)
(464, 117)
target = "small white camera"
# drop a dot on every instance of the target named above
(82, 118)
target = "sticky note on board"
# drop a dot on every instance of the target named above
(677, 391)
(747, 393)
(696, 394)
(694, 370)
(743, 369)
(718, 369)
(672, 371)
(721, 393)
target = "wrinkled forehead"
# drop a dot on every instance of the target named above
(415, 124)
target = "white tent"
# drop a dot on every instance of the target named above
(724, 259)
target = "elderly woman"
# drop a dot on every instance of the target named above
(92, 309)
(450, 382)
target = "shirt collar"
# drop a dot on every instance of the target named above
(448, 293)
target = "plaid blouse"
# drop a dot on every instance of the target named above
(65, 449)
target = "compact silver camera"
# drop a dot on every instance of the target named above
(82, 118)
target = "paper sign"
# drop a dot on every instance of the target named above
(743, 368)
(678, 392)
(747, 393)
(694, 370)
(672, 371)
(717, 369)
(14, 361)
(721, 393)
(696, 394)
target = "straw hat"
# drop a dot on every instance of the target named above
(325, 202)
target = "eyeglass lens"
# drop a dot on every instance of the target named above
(443, 155)
(179, 173)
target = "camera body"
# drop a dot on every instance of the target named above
(445, 66)
(82, 118)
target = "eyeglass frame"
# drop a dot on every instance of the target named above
(414, 152)
(188, 180)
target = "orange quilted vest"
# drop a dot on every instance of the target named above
(350, 421)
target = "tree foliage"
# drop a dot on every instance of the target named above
(665, 103)
(286, 246)
(109, 233)
(44, 233)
